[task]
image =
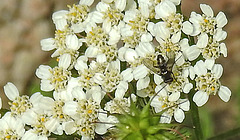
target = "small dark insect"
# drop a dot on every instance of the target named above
(163, 68)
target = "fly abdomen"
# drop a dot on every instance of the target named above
(167, 77)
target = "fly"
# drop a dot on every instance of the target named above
(163, 68)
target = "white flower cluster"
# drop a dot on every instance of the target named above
(110, 51)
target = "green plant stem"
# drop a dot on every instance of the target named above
(194, 108)
(226, 135)
(195, 117)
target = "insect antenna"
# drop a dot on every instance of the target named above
(157, 92)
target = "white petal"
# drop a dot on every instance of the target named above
(161, 31)
(18, 126)
(126, 31)
(119, 93)
(174, 96)
(114, 37)
(147, 37)
(165, 9)
(29, 117)
(127, 75)
(97, 17)
(107, 26)
(185, 72)
(187, 87)
(192, 52)
(48, 44)
(176, 2)
(4, 124)
(221, 20)
(60, 24)
(144, 48)
(86, 2)
(130, 15)
(187, 28)
(142, 93)
(81, 64)
(62, 95)
(78, 93)
(140, 72)
(151, 28)
(56, 53)
(59, 130)
(161, 90)
(97, 96)
(69, 127)
(184, 104)
(217, 70)
(209, 63)
(157, 79)
(220, 35)
(101, 58)
(102, 7)
(199, 68)
(184, 43)
(11, 91)
(78, 28)
(207, 10)
(100, 129)
(46, 85)
(191, 72)
(35, 98)
(143, 83)
(224, 93)
(98, 78)
(144, 8)
(120, 4)
(223, 49)
(165, 118)
(200, 98)
(72, 42)
(70, 107)
(93, 91)
(59, 18)
(52, 124)
(179, 115)
(43, 72)
(114, 65)
(202, 40)
(176, 37)
(91, 51)
(130, 55)
(64, 61)
(46, 103)
(121, 53)
(43, 137)
(30, 135)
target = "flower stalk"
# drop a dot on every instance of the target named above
(195, 118)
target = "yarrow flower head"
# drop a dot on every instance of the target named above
(207, 82)
(11, 127)
(123, 70)
(19, 105)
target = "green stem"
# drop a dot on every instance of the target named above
(194, 108)
(195, 117)
(226, 135)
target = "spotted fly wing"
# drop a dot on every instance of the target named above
(150, 65)
(171, 60)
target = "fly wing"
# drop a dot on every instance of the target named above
(150, 65)
(171, 60)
